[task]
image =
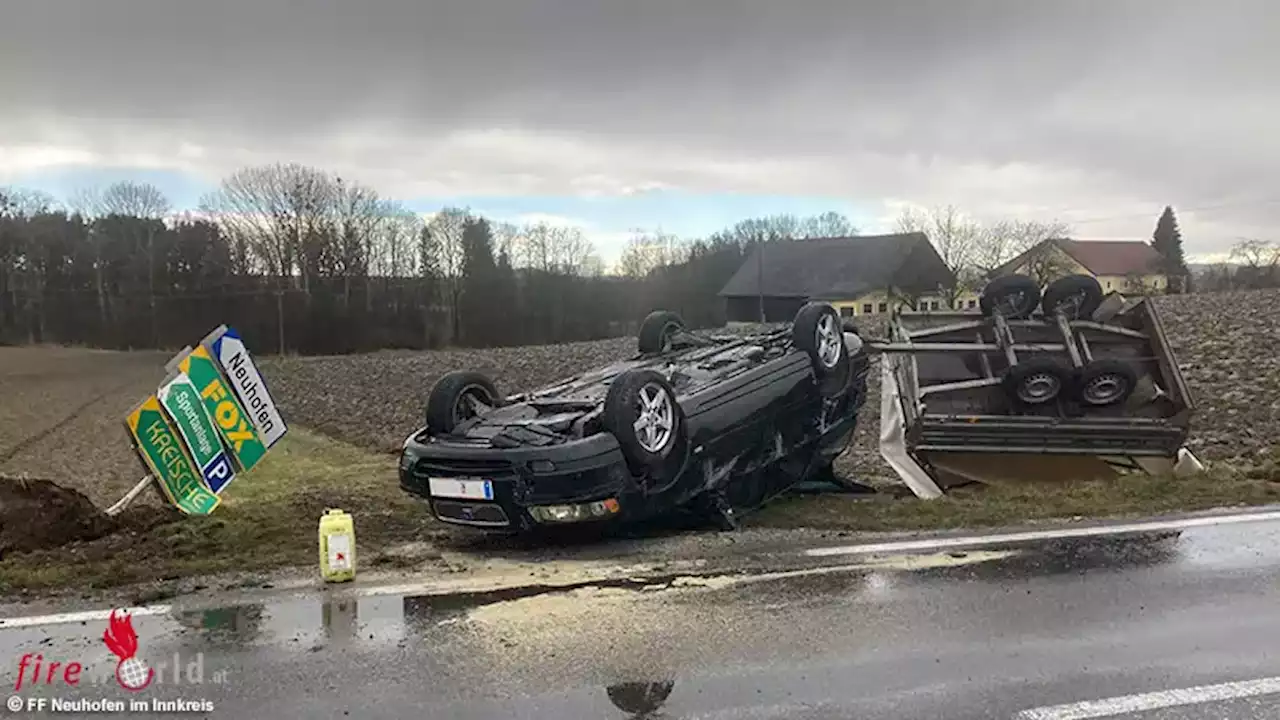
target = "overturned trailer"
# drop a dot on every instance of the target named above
(1059, 384)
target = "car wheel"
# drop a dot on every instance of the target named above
(817, 331)
(1076, 296)
(457, 397)
(1105, 382)
(1037, 381)
(641, 412)
(1013, 296)
(658, 331)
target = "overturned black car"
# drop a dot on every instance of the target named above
(712, 423)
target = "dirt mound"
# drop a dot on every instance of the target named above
(38, 514)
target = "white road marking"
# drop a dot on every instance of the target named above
(1052, 534)
(1146, 702)
(75, 617)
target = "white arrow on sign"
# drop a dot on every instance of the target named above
(249, 387)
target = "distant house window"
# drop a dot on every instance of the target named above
(1108, 284)
(973, 304)
(884, 307)
(846, 311)
(866, 308)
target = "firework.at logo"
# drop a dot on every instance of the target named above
(129, 670)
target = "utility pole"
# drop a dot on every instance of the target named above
(760, 280)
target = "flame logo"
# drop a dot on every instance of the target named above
(122, 641)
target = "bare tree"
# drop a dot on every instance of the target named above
(445, 239)
(827, 224)
(1259, 262)
(280, 212)
(393, 247)
(16, 202)
(1004, 240)
(645, 252)
(954, 235)
(552, 248)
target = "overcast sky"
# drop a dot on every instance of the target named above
(684, 114)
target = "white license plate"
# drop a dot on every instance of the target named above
(461, 488)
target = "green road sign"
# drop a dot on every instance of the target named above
(233, 424)
(161, 449)
(182, 403)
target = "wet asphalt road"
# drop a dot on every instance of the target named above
(980, 634)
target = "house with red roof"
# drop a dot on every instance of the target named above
(1127, 266)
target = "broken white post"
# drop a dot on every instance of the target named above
(123, 502)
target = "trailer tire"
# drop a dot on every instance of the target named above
(1013, 296)
(817, 331)
(1076, 296)
(657, 331)
(1037, 381)
(659, 450)
(1105, 382)
(454, 399)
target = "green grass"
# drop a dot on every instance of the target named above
(990, 506)
(268, 519)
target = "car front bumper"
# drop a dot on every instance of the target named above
(574, 482)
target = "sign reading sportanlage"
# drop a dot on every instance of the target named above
(162, 452)
(250, 387)
(181, 401)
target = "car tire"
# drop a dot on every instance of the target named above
(1106, 382)
(1077, 296)
(818, 332)
(658, 449)
(1014, 296)
(454, 399)
(1037, 381)
(658, 330)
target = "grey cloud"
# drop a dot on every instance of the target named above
(1145, 101)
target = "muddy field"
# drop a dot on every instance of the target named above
(61, 410)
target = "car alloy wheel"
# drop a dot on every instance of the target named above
(829, 340)
(655, 425)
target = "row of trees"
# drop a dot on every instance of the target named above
(301, 260)
(304, 261)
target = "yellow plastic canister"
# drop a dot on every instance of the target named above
(337, 546)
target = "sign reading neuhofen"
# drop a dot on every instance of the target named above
(228, 348)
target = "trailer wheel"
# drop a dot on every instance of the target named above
(641, 412)
(658, 330)
(1036, 381)
(1105, 382)
(459, 396)
(1013, 296)
(817, 331)
(1076, 296)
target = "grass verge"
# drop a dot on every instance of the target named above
(992, 506)
(268, 519)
